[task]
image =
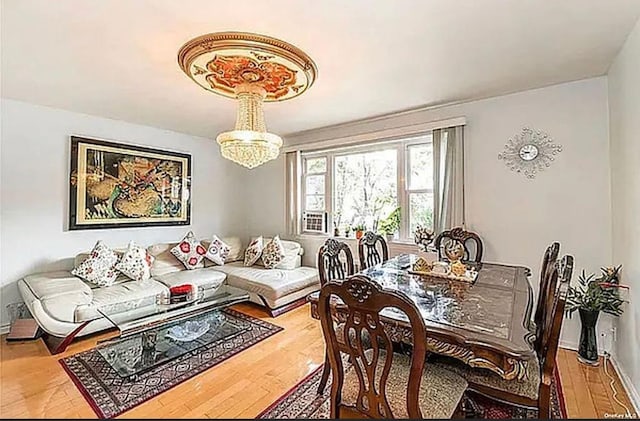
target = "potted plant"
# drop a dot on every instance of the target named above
(360, 228)
(591, 296)
(390, 225)
(347, 231)
(336, 232)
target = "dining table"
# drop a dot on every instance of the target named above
(484, 323)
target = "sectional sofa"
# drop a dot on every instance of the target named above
(65, 306)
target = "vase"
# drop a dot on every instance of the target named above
(588, 349)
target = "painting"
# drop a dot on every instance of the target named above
(114, 185)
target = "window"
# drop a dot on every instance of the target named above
(364, 184)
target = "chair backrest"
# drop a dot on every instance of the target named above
(335, 261)
(546, 290)
(372, 249)
(463, 237)
(551, 332)
(552, 322)
(363, 301)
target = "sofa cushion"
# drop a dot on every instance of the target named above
(189, 251)
(120, 298)
(136, 263)
(270, 283)
(59, 293)
(293, 252)
(165, 261)
(273, 253)
(201, 279)
(217, 251)
(99, 267)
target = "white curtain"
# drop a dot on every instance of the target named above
(448, 178)
(292, 169)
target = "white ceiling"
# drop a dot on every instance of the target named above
(117, 58)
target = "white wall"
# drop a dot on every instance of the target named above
(624, 120)
(516, 217)
(34, 192)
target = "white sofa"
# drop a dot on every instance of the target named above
(65, 306)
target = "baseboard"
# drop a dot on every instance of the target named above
(631, 390)
(4, 329)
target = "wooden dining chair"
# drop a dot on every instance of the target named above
(372, 249)
(546, 289)
(466, 238)
(376, 382)
(335, 262)
(534, 390)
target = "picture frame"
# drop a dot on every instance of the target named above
(118, 185)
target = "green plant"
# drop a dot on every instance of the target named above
(391, 224)
(596, 294)
(359, 227)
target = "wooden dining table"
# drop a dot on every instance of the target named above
(485, 324)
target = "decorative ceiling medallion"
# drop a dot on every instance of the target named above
(253, 69)
(219, 62)
(529, 152)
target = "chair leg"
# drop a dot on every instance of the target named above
(544, 404)
(325, 374)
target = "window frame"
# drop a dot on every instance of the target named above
(401, 147)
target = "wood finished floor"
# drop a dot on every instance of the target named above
(33, 384)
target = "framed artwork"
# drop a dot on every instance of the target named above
(115, 185)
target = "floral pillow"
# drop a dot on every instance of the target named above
(273, 253)
(136, 263)
(253, 252)
(189, 251)
(100, 267)
(218, 251)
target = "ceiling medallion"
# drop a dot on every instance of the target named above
(529, 152)
(252, 69)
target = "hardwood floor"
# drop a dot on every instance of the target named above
(34, 385)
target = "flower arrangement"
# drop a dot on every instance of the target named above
(423, 237)
(359, 229)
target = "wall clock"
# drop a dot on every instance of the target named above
(529, 152)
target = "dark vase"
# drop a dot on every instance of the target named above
(588, 350)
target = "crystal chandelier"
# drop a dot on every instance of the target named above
(253, 69)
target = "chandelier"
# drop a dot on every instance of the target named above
(252, 69)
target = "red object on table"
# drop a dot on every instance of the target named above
(180, 289)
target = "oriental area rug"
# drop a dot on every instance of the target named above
(110, 394)
(303, 402)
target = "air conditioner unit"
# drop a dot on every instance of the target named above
(315, 222)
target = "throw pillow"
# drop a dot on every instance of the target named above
(273, 253)
(136, 263)
(217, 251)
(99, 268)
(189, 251)
(253, 252)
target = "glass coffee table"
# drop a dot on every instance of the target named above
(154, 335)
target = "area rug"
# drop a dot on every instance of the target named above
(110, 395)
(302, 402)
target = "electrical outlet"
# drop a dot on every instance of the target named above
(614, 333)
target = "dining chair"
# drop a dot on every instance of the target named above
(376, 382)
(546, 288)
(534, 390)
(463, 237)
(372, 249)
(335, 262)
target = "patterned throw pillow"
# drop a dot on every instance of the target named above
(218, 251)
(273, 253)
(189, 251)
(100, 267)
(136, 263)
(253, 251)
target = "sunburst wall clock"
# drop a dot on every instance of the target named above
(529, 152)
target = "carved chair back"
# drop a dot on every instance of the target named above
(335, 261)
(466, 238)
(372, 249)
(548, 260)
(551, 332)
(364, 300)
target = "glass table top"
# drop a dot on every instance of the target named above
(135, 320)
(135, 354)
